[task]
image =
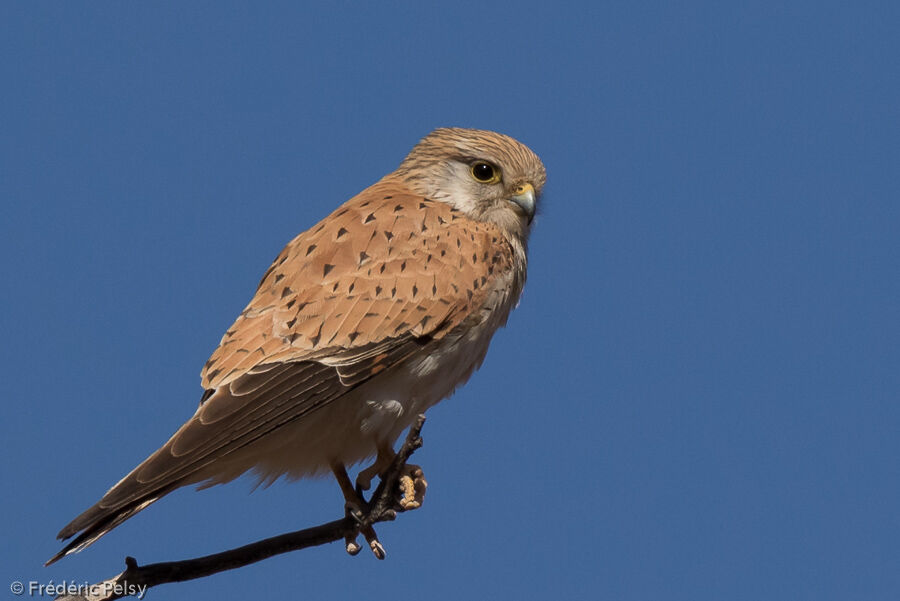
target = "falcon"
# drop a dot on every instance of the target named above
(362, 322)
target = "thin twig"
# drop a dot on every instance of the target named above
(135, 580)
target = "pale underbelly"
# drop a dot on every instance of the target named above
(350, 429)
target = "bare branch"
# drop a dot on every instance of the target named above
(383, 506)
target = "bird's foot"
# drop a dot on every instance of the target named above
(412, 486)
(359, 510)
(401, 488)
(410, 479)
(408, 494)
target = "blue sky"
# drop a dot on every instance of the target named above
(696, 399)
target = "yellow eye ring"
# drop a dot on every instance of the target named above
(484, 173)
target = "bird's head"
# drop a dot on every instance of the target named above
(486, 175)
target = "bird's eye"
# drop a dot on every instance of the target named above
(485, 173)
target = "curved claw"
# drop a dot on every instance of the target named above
(351, 545)
(377, 549)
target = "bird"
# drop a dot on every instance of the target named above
(367, 319)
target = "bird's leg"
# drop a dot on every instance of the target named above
(383, 461)
(358, 509)
(343, 480)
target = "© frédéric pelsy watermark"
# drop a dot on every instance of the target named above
(34, 588)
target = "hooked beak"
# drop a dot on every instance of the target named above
(524, 197)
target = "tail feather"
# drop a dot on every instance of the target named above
(98, 520)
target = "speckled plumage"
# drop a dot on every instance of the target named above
(368, 318)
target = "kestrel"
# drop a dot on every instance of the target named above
(362, 322)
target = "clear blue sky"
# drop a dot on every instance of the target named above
(696, 399)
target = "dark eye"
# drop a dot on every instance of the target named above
(485, 172)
